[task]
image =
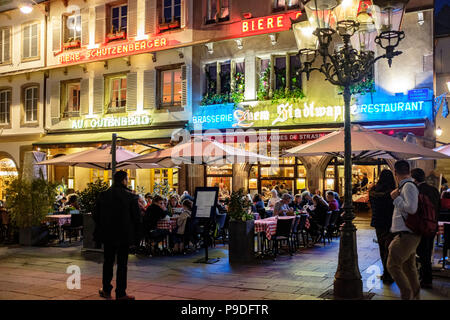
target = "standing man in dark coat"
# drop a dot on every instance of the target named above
(425, 248)
(116, 218)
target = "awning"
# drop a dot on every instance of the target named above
(102, 137)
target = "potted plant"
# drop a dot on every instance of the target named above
(28, 203)
(241, 228)
(87, 200)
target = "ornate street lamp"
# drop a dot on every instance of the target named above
(345, 22)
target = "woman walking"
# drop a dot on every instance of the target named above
(382, 209)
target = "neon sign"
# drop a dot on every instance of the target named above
(109, 122)
(114, 50)
(268, 24)
(265, 114)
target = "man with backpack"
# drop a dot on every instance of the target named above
(401, 262)
(425, 248)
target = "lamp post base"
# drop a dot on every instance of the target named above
(348, 283)
(348, 289)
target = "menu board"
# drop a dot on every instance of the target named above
(205, 201)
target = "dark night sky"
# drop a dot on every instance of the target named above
(442, 14)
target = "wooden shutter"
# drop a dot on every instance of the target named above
(35, 40)
(184, 92)
(183, 13)
(132, 91)
(149, 89)
(150, 16)
(56, 33)
(84, 96)
(55, 101)
(100, 24)
(99, 84)
(6, 45)
(132, 18)
(85, 26)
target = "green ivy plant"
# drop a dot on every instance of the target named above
(287, 96)
(366, 85)
(238, 206)
(264, 85)
(88, 197)
(236, 95)
(28, 202)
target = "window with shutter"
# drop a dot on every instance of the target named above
(100, 24)
(84, 96)
(71, 98)
(132, 18)
(85, 26)
(149, 89)
(170, 15)
(30, 41)
(98, 94)
(56, 33)
(184, 85)
(5, 106)
(150, 16)
(217, 11)
(170, 87)
(72, 31)
(5, 45)
(116, 93)
(131, 91)
(56, 101)
(30, 100)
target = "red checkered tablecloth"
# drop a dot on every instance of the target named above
(59, 219)
(441, 226)
(167, 224)
(268, 225)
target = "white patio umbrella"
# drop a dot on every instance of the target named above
(445, 149)
(200, 151)
(99, 158)
(365, 144)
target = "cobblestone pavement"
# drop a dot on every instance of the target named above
(40, 273)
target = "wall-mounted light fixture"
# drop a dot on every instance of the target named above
(420, 20)
(273, 38)
(247, 15)
(210, 47)
(239, 44)
(438, 132)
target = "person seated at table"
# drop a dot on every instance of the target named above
(174, 206)
(318, 192)
(282, 207)
(181, 226)
(148, 199)
(73, 202)
(306, 199)
(317, 215)
(297, 203)
(274, 199)
(142, 204)
(155, 212)
(186, 196)
(258, 204)
(62, 204)
(364, 182)
(332, 202)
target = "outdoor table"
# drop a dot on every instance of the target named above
(167, 224)
(59, 220)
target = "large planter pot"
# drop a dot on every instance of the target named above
(32, 236)
(241, 247)
(88, 234)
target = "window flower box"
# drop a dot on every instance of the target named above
(169, 25)
(116, 36)
(72, 45)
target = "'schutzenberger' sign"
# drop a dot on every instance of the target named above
(113, 50)
(111, 122)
